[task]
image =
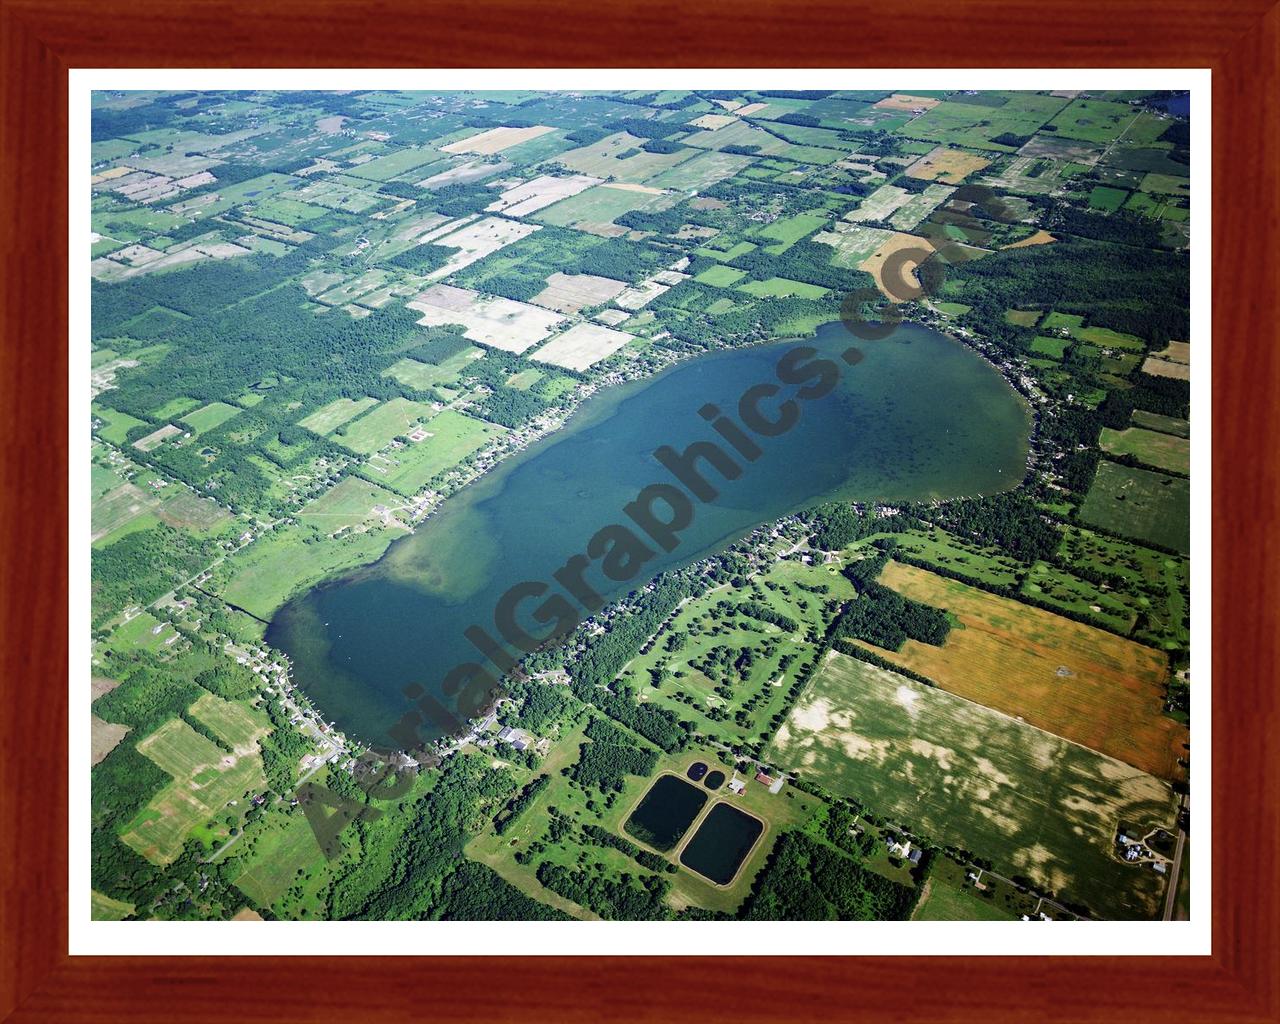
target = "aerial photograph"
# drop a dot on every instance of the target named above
(668, 505)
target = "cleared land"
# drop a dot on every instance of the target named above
(104, 736)
(205, 778)
(451, 437)
(595, 210)
(336, 413)
(854, 244)
(348, 503)
(1138, 503)
(893, 285)
(502, 323)
(702, 171)
(1081, 683)
(581, 346)
(961, 773)
(946, 165)
(477, 240)
(1163, 451)
(572, 293)
(619, 156)
(531, 196)
(212, 415)
(1158, 367)
(376, 428)
(495, 140)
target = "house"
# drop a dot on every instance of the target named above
(737, 786)
(763, 779)
(505, 733)
(916, 855)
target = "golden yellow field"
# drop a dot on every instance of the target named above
(1039, 238)
(874, 265)
(949, 166)
(1081, 683)
(905, 101)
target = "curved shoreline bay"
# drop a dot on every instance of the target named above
(919, 417)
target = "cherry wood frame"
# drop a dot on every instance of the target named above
(41, 39)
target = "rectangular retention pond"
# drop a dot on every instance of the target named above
(665, 813)
(722, 843)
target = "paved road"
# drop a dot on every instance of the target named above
(1171, 897)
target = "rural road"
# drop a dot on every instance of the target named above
(1171, 896)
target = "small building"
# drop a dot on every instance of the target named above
(764, 779)
(738, 786)
(505, 733)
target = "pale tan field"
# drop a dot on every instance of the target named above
(949, 166)
(1158, 367)
(905, 101)
(1078, 682)
(477, 240)
(104, 736)
(490, 320)
(156, 437)
(532, 196)
(874, 265)
(495, 140)
(581, 346)
(1176, 352)
(571, 293)
(713, 121)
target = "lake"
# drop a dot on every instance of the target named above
(919, 417)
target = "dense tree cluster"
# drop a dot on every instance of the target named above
(806, 881)
(614, 899)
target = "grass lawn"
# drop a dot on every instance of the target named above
(948, 903)
(1108, 199)
(266, 574)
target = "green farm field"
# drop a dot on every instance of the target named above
(377, 428)
(1086, 685)
(1140, 504)
(1164, 451)
(205, 778)
(959, 773)
(212, 415)
(453, 436)
(336, 413)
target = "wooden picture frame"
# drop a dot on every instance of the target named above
(42, 39)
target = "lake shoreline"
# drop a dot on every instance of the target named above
(722, 538)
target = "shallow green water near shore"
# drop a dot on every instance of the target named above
(919, 417)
